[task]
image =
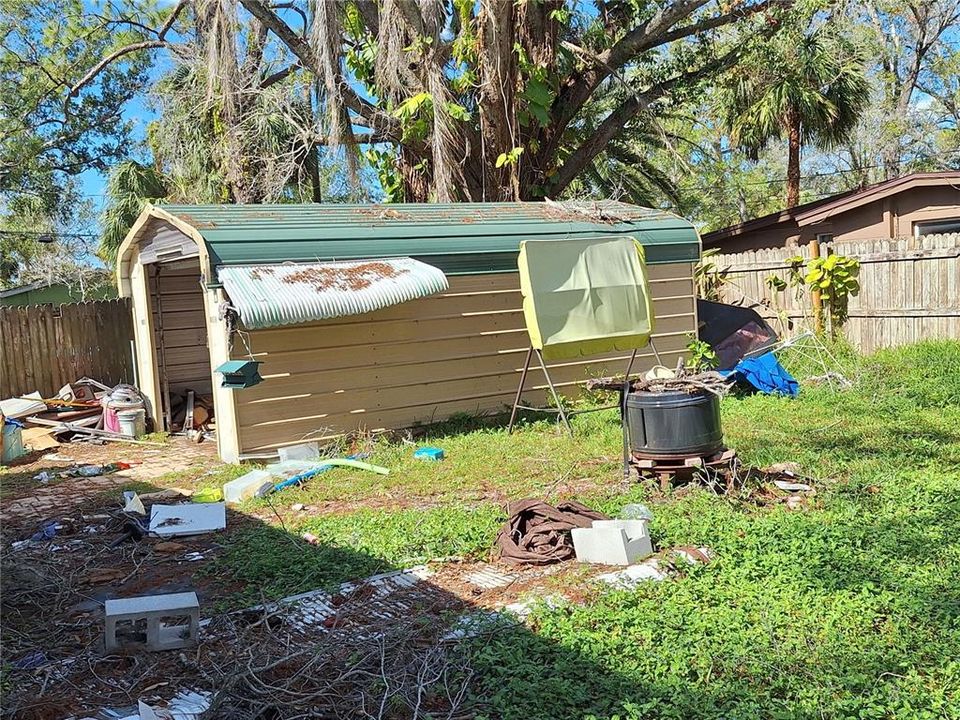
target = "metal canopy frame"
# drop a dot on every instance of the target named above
(562, 414)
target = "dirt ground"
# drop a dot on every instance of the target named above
(25, 500)
(53, 591)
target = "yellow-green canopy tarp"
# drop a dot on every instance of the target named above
(586, 296)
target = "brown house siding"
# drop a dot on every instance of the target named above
(898, 206)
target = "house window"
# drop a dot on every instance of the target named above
(824, 238)
(937, 227)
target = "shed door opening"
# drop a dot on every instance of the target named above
(180, 338)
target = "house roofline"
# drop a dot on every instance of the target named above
(819, 210)
(876, 192)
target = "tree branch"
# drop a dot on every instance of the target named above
(279, 76)
(160, 42)
(111, 58)
(654, 33)
(617, 120)
(304, 53)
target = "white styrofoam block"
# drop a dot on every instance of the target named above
(612, 542)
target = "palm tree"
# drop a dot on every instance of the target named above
(130, 185)
(807, 86)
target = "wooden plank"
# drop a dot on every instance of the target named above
(43, 352)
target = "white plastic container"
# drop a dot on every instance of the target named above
(255, 483)
(289, 468)
(132, 422)
(304, 451)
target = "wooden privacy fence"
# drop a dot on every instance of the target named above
(43, 347)
(909, 289)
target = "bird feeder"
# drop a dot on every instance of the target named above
(239, 374)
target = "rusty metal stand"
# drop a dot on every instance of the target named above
(564, 415)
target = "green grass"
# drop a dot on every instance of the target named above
(848, 608)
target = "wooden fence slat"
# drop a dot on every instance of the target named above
(43, 347)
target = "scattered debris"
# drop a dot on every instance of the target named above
(682, 379)
(630, 577)
(766, 374)
(539, 534)
(636, 511)
(57, 457)
(326, 465)
(297, 507)
(22, 406)
(187, 519)
(30, 661)
(794, 502)
(186, 705)
(489, 578)
(101, 576)
(207, 495)
(153, 622)
(786, 476)
(657, 569)
(792, 486)
(255, 483)
(39, 438)
(46, 531)
(830, 378)
(693, 555)
(133, 503)
(429, 453)
(169, 546)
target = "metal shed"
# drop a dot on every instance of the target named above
(365, 316)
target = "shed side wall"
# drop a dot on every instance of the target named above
(422, 361)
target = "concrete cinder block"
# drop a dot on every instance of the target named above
(612, 542)
(152, 622)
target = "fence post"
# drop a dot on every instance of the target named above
(815, 297)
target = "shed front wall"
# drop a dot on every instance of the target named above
(423, 361)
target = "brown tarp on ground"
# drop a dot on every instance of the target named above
(539, 534)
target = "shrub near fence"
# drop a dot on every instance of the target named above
(909, 289)
(43, 347)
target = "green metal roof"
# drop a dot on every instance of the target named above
(458, 238)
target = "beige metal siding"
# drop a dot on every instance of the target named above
(423, 361)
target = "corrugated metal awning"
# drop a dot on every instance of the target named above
(292, 293)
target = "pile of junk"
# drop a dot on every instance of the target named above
(82, 411)
(671, 416)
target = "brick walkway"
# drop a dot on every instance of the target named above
(59, 499)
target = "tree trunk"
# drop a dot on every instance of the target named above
(497, 106)
(416, 181)
(313, 169)
(793, 160)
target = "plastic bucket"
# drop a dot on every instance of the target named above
(132, 422)
(12, 442)
(674, 423)
(111, 410)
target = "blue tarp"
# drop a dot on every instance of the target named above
(766, 374)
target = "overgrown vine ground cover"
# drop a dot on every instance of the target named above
(848, 607)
